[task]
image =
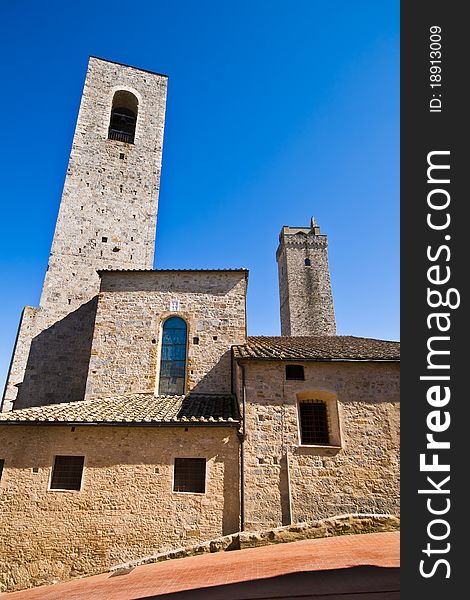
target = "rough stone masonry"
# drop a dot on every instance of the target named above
(100, 462)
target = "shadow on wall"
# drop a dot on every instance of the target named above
(371, 582)
(217, 380)
(286, 515)
(58, 360)
(231, 509)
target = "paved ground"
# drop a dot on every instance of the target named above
(360, 567)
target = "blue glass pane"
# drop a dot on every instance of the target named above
(175, 323)
(173, 352)
(172, 369)
(171, 386)
(174, 336)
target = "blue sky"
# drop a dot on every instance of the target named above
(276, 111)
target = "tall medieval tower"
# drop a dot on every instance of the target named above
(304, 282)
(107, 220)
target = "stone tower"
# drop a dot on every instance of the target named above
(107, 220)
(304, 282)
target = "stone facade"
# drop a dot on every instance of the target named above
(132, 308)
(126, 508)
(304, 282)
(84, 379)
(286, 482)
(107, 219)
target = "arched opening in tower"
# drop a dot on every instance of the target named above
(123, 117)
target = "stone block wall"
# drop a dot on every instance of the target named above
(108, 211)
(126, 508)
(286, 482)
(132, 308)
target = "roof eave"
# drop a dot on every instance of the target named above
(300, 359)
(126, 423)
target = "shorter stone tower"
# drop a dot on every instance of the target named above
(304, 282)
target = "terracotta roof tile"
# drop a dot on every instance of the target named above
(321, 348)
(144, 408)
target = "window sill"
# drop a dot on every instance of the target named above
(329, 450)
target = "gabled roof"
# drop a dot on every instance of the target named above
(134, 409)
(319, 348)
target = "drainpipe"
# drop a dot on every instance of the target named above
(242, 437)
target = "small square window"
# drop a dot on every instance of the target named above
(104, 239)
(121, 155)
(314, 423)
(307, 262)
(2, 462)
(195, 341)
(190, 475)
(295, 372)
(67, 473)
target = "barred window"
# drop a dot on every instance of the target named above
(190, 475)
(67, 473)
(173, 361)
(313, 423)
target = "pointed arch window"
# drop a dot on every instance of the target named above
(173, 357)
(123, 117)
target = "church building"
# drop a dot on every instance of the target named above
(138, 416)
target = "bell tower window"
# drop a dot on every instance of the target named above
(123, 117)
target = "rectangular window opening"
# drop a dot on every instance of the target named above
(295, 372)
(2, 462)
(314, 423)
(190, 475)
(67, 473)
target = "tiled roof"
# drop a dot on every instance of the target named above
(321, 348)
(143, 408)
